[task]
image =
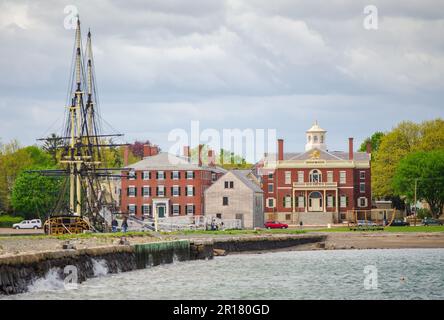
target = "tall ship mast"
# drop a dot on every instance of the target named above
(84, 203)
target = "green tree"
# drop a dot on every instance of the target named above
(34, 195)
(406, 138)
(375, 141)
(52, 146)
(427, 169)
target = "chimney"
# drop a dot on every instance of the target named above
(200, 155)
(154, 150)
(369, 147)
(186, 152)
(211, 158)
(350, 149)
(280, 149)
(125, 156)
(146, 150)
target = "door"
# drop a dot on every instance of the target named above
(161, 211)
(315, 202)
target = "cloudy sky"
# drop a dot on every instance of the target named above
(258, 64)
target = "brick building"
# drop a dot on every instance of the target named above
(317, 186)
(170, 184)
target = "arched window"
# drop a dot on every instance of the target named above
(315, 176)
(315, 139)
(322, 138)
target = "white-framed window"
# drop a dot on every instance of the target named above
(160, 191)
(362, 187)
(132, 209)
(270, 203)
(176, 209)
(362, 175)
(132, 175)
(190, 191)
(344, 201)
(315, 176)
(287, 202)
(146, 175)
(190, 209)
(300, 176)
(342, 177)
(160, 175)
(287, 177)
(301, 202)
(330, 203)
(146, 191)
(132, 191)
(175, 175)
(175, 191)
(190, 175)
(213, 176)
(330, 176)
(270, 188)
(146, 209)
(362, 202)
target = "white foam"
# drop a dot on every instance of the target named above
(50, 282)
(100, 267)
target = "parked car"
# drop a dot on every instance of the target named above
(367, 223)
(28, 224)
(399, 223)
(275, 225)
(432, 222)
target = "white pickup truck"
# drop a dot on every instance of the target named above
(28, 224)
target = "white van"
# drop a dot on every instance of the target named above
(28, 224)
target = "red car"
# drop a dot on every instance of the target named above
(275, 225)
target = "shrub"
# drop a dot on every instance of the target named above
(7, 221)
(424, 213)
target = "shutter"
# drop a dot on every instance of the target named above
(194, 209)
(194, 191)
(157, 175)
(127, 191)
(178, 175)
(149, 175)
(171, 174)
(157, 191)
(135, 192)
(194, 175)
(135, 209)
(172, 191)
(179, 190)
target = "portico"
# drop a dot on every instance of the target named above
(314, 195)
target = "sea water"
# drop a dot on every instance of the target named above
(341, 274)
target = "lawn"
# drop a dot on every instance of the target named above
(387, 229)
(236, 232)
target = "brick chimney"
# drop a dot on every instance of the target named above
(200, 155)
(280, 149)
(125, 156)
(211, 158)
(186, 152)
(369, 147)
(350, 149)
(149, 150)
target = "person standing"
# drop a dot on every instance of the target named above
(124, 225)
(114, 225)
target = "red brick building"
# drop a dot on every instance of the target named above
(317, 186)
(172, 185)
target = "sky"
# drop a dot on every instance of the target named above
(246, 64)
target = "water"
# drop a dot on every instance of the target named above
(402, 274)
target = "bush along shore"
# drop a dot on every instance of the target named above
(18, 272)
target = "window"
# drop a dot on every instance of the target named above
(270, 187)
(330, 201)
(270, 203)
(161, 191)
(301, 202)
(342, 177)
(270, 176)
(225, 201)
(322, 138)
(132, 192)
(362, 175)
(287, 177)
(344, 201)
(362, 187)
(213, 177)
(190, 175)
(146, 191)
(175, 191)
(219, 215)
(300, 176)
(175, 175)
(160, 175)
(287, 201)
(362, 202)
(330, 176)
(176, 209)
(288, 217)
(190, 191)
(315, 139)
(315, 176)
(132, 209)
(132, 175)
(146, 175)
(146, 209)
(229, 184)
(190, 209)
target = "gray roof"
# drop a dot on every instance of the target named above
(167, 161)
(242, 175)
(325, 155)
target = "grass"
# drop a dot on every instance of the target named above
(85, 236)
(235, 232)
(387, 229)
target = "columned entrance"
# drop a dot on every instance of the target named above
(315, 202)
(161, 207)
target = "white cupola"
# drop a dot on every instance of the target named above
(316, 138)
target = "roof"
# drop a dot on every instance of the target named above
(324, 155)
(316, 128)
(167, 161)
(242, 175)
